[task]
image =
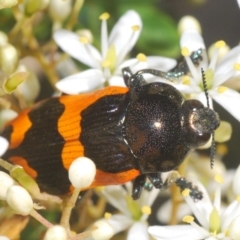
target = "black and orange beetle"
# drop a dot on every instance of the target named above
(134, 132)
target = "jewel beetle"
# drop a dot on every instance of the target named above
(131, 133)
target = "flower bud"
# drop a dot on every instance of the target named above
(104, 230)
(56, 233)
(3, 38)
(8, 58)
(82, 172)
(4, 238)
(31, 6)
(19, 200)
(5, 116)
(8, 3)
(5, 182)
(59, 10)
(188, 22)
(3, 145)
(30, 87)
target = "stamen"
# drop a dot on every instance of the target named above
(236, 66)
(222, 89)
(214, 221)
(185, 52)
(186, 80)
(218, 178)
(201, 217)
(146, 210)
(106, 63)
(141, 57)
(125, 49)
(220, 44)
(135, 28)
(238, 198)
(186, 192)
(83, 40)
(107, 215)
(104, 34)
(104, 16)
(190, 220)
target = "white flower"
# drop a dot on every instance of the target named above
(5, 182)
(107, 64)
(217, 72)
(133, 214)
(215, 223)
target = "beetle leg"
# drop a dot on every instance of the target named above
(156, 180)
(138, 185)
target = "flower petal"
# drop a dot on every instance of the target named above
(116, 196)
(81, 82)
(120, 222)
(4, 145)
(70, 43)
(192, 40)
(116, 81)
(236, 182)
(138, 231)
(122, 34)
(180, 232)
(229, 99)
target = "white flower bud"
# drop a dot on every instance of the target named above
(56, 233)
(30, 88)
(8, 3)
(82, 172)
(3, 38)
(3, 145)
(104, 230)
(59, 10)
(8, 58)
(19, 200)
(188, 22)
(234, 232)
(5, 116)
(4, 238)
(5, 182)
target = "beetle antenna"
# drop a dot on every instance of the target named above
(205, 86)
(213, 145)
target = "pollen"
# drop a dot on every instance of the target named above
(236, 66)
(141, 57)
(107, 215)
(83, 40)
(135, 28)
(222, 89)
(220, 44)
(186, 80)
(186, 192)
(238, 198)
(104, 16)
(218, 178)
(188, 219)
(185, 52)
(146, 210)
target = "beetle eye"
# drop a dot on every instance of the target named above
(198, 123)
